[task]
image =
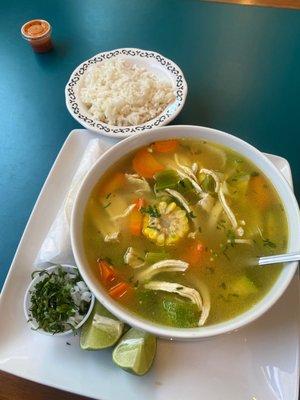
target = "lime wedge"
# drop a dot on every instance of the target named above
(101, 330)
(135, 352)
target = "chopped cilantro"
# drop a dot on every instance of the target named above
(151, 210)
(231, 237)
(52, 303)
(192, 215)
(268, 243)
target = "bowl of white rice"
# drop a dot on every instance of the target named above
(125, 91)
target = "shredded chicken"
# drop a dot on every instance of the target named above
(201, 298)
(180, 198)
(125, 213)
(161, 266)
(112, 237)
(204, 292)
(192, 235)
(185, 168)
(138, 181)
(195, 167)
(241, 241)
(181, 290)
(240, 231)
(187, 173)
(133, 258)
(227, 209)
(207, 202)
(213, 175)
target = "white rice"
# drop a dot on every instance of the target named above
(120, 93)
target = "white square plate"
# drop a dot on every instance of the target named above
(259, 362)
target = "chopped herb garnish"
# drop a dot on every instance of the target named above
(200, 229)
(192, 215)
(254, 173)
(221, 224)
(153, 227)
(108, 195)
(107, 205)
(268, 243)
(151, 210)
(52, 304)
(231, 237)
(225, 252)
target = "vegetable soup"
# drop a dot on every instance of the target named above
(171, 229)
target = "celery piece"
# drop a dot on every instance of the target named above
(208, 183)
(152, 258)
(166, 179)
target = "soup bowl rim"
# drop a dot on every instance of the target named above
(198, 133)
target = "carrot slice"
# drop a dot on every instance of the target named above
(145, 164)
(119, 290)
(107, 272)
(113, 183)
(258, 191)
(194, 254)
(165, 146)
(135, 222)
(140, 202)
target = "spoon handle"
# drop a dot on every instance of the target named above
(279, 258)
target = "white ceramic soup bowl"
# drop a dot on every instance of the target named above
(191, 132)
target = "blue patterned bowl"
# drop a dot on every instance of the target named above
(151, 61)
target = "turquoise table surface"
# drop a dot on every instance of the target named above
(242, 65)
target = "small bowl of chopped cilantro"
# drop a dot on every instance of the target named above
(57, 301)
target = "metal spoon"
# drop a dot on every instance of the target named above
(278, 258)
